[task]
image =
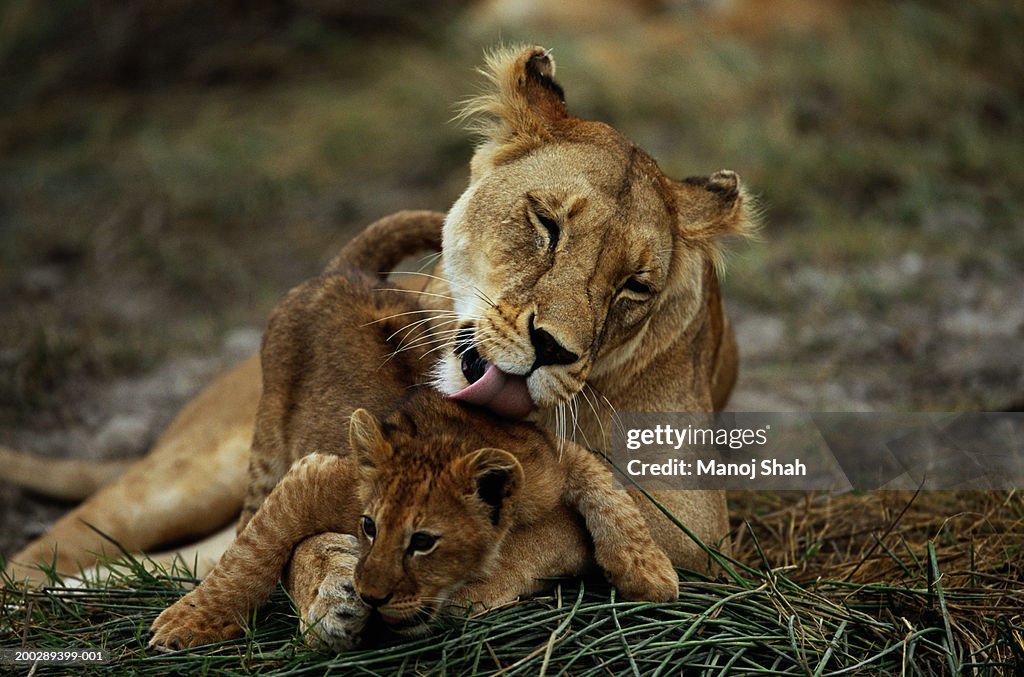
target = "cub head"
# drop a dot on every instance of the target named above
(433, 518)
(570, 253)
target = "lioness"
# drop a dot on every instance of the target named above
(585, 279)
(583, 282)
(444, 516)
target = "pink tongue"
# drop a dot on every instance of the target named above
(504, 394)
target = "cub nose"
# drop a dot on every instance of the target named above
(548, 349)
(375, 602)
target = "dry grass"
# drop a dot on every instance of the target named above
(856, 584)
(958, 556)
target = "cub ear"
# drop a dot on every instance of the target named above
(494, 477)
(711, 206)
(365, 439)
(521, 104)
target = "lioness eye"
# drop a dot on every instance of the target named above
(369, 528)
(636, 286)
(550, 225)
(422, 542)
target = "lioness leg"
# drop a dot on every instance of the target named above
(200, 557)
(705, 513)
(314, 497)
(171, 494)
(623, 546)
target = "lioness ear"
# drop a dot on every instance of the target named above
(522, 103)
(365, 439)
(493, 476)
(710, 206)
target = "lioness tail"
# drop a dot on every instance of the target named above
(67, 479)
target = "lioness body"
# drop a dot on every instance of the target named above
(593, 281)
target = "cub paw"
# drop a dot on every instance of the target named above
(184, 625)
(336, 618)
(647, 575)
(320, 581)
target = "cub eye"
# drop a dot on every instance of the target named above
(548, 224)
(422, 542)
(368, 526)
(637, 287)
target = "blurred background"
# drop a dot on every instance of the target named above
(169, 169)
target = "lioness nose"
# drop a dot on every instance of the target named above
(375, 602)
(549, 350)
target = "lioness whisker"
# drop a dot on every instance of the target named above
(477, 291)
(430, 276)
(443, 345)
(560, 427)
(418, 342)
(487, 336)
(436, 311)
(441, 337)
(487, 339)
(428, 260)
(616, 421)
(451, 283)
(415, 291)
(484, 342)
(574, 407)
(564, 435)
(409, 327)
(414, 328)
(593, 409)
(484, 297)
(424, 335)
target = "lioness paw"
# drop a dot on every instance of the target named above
(184, 625)
(647, 575)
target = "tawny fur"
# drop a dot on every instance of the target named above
(626, 279)
(66, 479)
(430, 467)
(194, 479)
(620, 215)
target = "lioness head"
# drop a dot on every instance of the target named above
(570, 254)
(436, 511)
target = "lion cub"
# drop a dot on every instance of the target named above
(450, 506)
